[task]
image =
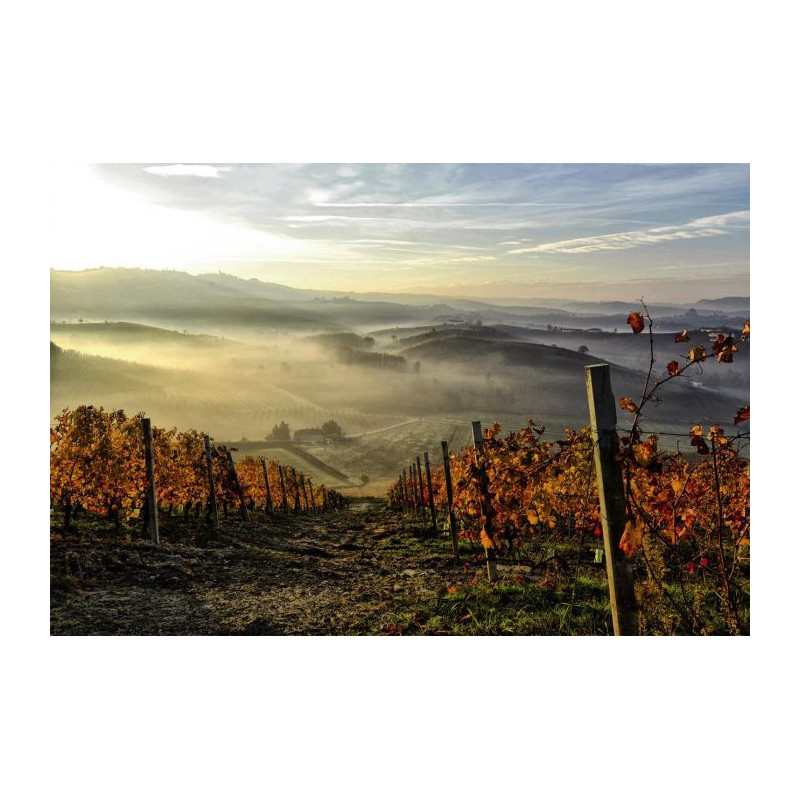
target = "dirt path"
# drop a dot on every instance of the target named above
(341, 573)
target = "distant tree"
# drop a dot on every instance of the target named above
(332, 428)
(280, 433)
(583, 349)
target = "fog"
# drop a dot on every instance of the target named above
(395, 379)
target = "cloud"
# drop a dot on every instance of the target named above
(193, 170)
(436, 204)
(696, 229)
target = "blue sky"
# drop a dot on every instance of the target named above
(577, 231)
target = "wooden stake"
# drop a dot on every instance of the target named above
(284, 501)
(603, 416)
(212, 492)
(152, 505)
(430, 493)
(421, 488)
(239, 490)
(486, 504)
(313, 499)
(305, 494)
(268, 498)
(448, 482)
(297, 507)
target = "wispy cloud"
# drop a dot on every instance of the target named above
(193, 170)
(696, 229)
(436, 204)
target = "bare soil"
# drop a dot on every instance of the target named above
(338, 573)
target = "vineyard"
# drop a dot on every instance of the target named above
(508, 534)
(118, 466)
(674, 529)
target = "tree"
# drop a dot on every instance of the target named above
(583, 349)
(332, 428)
(280, 433)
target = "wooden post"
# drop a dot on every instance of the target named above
(284, 500)
(413, 487)
(603, 417)
(268, 498)
(297, 506)
(486, 505)
(448, 483)
(311, 492)
(152, 505)
(430, 493)
(406, 498)
(421, 488)
(326, 503)
(305, 494)
(239, 490)
(212, 492)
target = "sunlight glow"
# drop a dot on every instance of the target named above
(96, 224)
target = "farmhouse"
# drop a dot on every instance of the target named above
(309, 436)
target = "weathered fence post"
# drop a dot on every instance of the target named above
(413, 486)
(313, 499)
(284, 500)
(430, 493)
(151, 525)
(603, 417)
(421, 486)
(239, 490)
(305, 494)
(212, 492)
(486, 503)
(448, 483)
(297, 504)
(268, 498)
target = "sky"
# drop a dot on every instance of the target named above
(662, 232)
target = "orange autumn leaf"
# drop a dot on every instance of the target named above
(683, 336)
(486, 540)
(697, 353)
(636, 321)
(746, 328)
(741, 415)
(628, 404)
(631, 539)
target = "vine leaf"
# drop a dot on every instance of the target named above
(631, 539)
(697, 353)
(741, 415)
(636, 321)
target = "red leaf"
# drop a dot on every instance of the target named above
(741, 415)
(628, 404)
(673, 367)
(683, 336)
(636, 321)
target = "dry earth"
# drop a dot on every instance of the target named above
(343, 572)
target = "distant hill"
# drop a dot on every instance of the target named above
(550, 380)
(725, 303)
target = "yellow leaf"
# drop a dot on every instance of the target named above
(486, 540)
(631, 539)
(533, 518)
(677, 486)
